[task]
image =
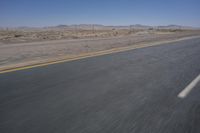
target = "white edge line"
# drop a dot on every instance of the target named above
(189, 88)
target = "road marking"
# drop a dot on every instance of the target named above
(91, 54)
(189, 88)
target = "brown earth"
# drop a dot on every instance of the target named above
(19, 47)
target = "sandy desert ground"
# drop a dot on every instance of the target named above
(18, 35)
(24, 47)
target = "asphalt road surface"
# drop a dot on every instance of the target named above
(128, 92)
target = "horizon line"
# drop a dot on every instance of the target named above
(106, 25)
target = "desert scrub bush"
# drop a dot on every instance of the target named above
(18, 35)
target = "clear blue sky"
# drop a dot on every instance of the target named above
(108, 12)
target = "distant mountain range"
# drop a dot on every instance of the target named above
(98, 26)
(136, 26)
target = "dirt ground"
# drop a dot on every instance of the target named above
(8, 36)
(18, 36)
(21, 47)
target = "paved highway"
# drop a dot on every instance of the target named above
(136, 91)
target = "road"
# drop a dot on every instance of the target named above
(134, 91)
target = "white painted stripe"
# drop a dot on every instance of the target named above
(189, 88)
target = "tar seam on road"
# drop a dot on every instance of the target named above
(189, 88)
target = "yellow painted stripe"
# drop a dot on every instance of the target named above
(91, 54)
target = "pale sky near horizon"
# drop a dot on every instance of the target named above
(34, 13)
